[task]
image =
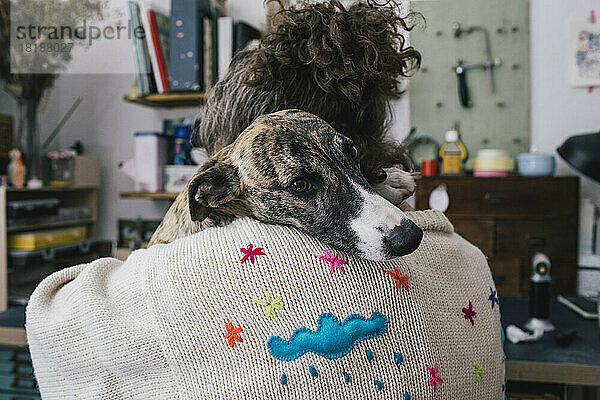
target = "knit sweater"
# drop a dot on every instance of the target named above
(257, 311)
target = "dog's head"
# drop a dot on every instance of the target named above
(292, 168)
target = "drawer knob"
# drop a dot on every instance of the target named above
(494, 198)
(535, 241)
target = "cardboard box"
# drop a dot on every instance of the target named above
(86, 171)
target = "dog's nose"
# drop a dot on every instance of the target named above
(404, 238)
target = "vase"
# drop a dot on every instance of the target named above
(28, 137)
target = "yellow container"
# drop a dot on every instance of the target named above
(40, 239)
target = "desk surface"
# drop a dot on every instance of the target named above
(545, 361)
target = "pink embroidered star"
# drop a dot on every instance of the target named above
(434, 377)
(469, 313)
(334, 262)
(249, 253)
(400, 280)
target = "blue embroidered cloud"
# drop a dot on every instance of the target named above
(332, 339)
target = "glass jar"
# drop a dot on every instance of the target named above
(60, 168)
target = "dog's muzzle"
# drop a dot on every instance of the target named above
(404, 238)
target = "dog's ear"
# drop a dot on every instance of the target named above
(212, 187)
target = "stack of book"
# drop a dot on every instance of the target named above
(188, 50)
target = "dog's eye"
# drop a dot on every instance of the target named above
(299, 185)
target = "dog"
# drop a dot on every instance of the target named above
(293, 168)
(343, 64)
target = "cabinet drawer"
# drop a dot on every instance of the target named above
(16, 368)
(480, 232)
(507, 275)
(505, 197)
(14, 354)
(525, 237)
(18, 384)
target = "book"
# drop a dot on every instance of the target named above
(143, 64)
(208, 52)
(133, 19)
(244, 33)
(187, 71)
(224, 45)
(159, 49)
(596, 235)
(146, 83)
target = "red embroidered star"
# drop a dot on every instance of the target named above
(434, 378)
(334, 262)
(249, 253)
(232, 333)
(400, 280)
(469, 313)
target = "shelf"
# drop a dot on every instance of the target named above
(149, 195)
(168, 100)
(49, 225)
(51, 189)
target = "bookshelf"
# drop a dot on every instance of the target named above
(12, 330)
(168, 100)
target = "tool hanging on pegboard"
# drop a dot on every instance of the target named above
(489, 64)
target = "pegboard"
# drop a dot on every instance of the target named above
(495, 120)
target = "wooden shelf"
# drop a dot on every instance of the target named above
(49, 225)
(51, 189)
(168, 100)
(149, 195)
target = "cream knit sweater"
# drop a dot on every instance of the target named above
(190, 320)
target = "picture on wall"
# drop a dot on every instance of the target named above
(585, 56)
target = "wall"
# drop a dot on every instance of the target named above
(557, 109)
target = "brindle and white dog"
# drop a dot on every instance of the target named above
(292, 168)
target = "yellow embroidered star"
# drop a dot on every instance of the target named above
(478, 371)
(272, 305)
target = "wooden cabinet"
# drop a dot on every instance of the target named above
(510, 219)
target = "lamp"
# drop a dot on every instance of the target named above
(582, 152)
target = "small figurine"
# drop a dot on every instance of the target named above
(16, 169)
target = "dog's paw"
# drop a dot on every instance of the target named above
(398, 185)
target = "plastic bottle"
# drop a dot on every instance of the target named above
(452, 153)
(181, 145)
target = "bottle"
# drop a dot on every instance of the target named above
(182, 148)
(452, 153)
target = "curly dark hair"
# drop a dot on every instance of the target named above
(343, 64)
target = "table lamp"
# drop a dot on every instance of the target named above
(582, 152)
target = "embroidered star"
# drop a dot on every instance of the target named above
(478, 371)
(493, 297)
(272, 305)
(232, 333)
(469, 313)
(434, 377)
(400, 280)
(334, 262)
(249, 253)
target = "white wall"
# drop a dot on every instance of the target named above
(557, 109)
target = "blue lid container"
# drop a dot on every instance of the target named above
(535, 164)
(182, 132)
